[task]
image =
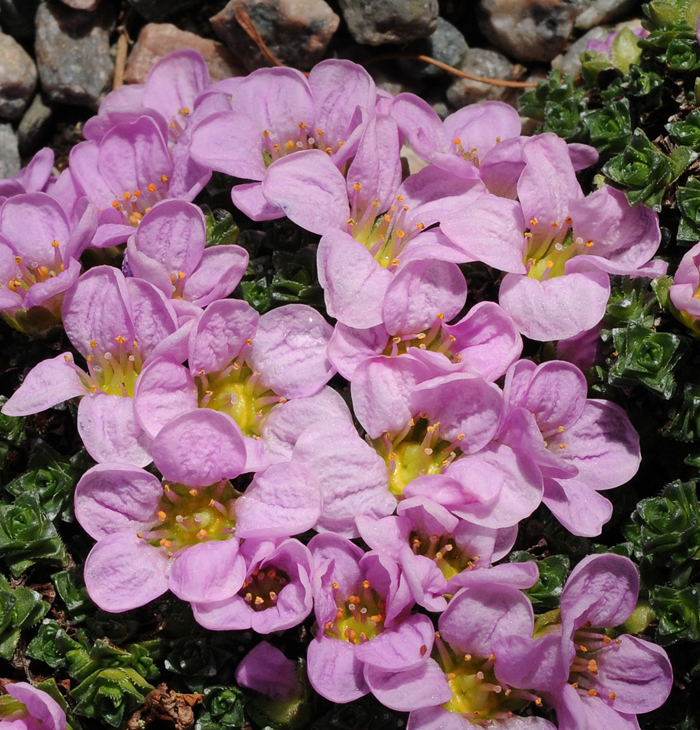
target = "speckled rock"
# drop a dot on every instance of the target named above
(446, 44)
(603, 11)
(17, 17)
(17, 78)
(81, 4)
(9, 151)
(33, 126)
(481, 62)
(529, 30)
(72, 53)
(157, 10)
(158, 39)
(297, 32)
(374, 22)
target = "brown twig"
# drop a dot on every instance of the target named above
(247, 24)
(122, 52)
(453, 70)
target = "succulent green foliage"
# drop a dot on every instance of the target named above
(559, 104)
(222, 708)
(20, 608)
(688, 199)
(282, 268)
(221, 228)
(645, 171)
(363, 714)
(71, 589)
(51, 479)
(554, 571)
(610, 128)
(646, 357)
(666, 529)
(28, 536)
(196, 658)
(678, 612)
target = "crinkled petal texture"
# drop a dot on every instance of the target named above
(476, 618)
(580, 509)
(555, 308)
(413, 689)
(199, 448)
(47, 384)
(334, 670)
(123, 572)
(281, 501)
(109, 430)
(438, 718)
(352, 476)
(290, 350)
(422, 293)
(113, 498)
(40, 706)
(209, 571)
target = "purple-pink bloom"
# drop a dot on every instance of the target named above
(276, 593)
(183, 533)
(267, 670)
(361, 606)
(38, 263)
(115, 324)
(589, 677)
(127, 172)
(240, 363)
(580, 445)
(684, 291)
(35, 177)
(557, 246)
(168, 249)
(277, 112)
(27, 708)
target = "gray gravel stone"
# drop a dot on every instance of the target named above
(18, 17)
(603, 11)
(530, 30)
(17, 78)
(297, 32)
(9, 152)
(157, 10)
(374, 22)
(481, 62)
(31, 129)
(446, 44)
(72, 53)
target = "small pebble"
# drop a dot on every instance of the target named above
(18, 78)
(9, 151)
(72, 53)
(32, 128)
(390, 21)
(297, 32)
(489, 64)
(158, 39)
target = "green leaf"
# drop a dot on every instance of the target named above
(678, 612)
(52, 644)
(626, 49)
(554, 571)
(687, 131)
(557, 103)
(646, 357)
(221, 228)
(666, 529)
(110, 694)
(643, 169)
(71, 589)
(610, 128)
(683, 55)
(222, 707)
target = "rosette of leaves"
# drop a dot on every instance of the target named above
(688, 200)
(11, 433)
(644, 171)
(72, 591)
(51, 478)
(222, 708)
(559, 104)
(197, 658)
(666, 529)
(553, 571)
(678, 613)
(646, 357)
(20, 608)
(610, 128)
(28, 536)
(221, 228)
